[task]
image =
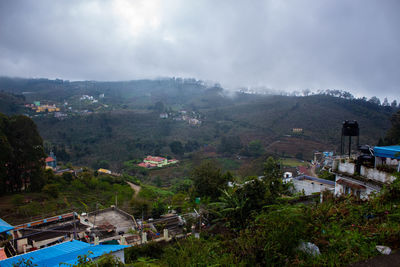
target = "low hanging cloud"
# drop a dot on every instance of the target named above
(283, 45)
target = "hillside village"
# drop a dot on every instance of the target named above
(192, 191)
(114, 230)
(199, 133)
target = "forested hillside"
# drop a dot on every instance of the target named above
(123, 121)
(11, 103)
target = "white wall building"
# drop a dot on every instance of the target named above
(309, 185)
(361, 180)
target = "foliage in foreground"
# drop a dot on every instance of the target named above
(346, 230)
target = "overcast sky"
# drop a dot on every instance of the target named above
(285, 45)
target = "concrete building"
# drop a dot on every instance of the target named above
(357, 178)
(41, 233)
(110, 224)
(51, 161)
(310, 185)
(287, 177)
(164, 116)
(152, 162)
(103, 171)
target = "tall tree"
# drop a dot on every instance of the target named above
(6, 152)
(393, 135)
(375, 100)
(385, 102)
(209, 181)
(273, 178)
(26, 162)
(394, 104)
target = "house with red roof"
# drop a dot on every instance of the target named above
(152, 162)
(51, 161)
(158, 161)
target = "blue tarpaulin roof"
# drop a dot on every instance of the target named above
(66, 252)
(387, 152)
(4, 227)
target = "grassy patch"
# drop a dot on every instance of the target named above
(228, 164)
(292, 162)
(152, 192)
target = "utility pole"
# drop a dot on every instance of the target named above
(141, 229)
(94, 222)
(73, 212)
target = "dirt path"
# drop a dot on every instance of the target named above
(312, 170)
(273, 143)
(136, 188)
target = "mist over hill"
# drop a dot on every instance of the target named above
(123, 121)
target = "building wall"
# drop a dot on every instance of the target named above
(310, 187)
(393, 162)
(346, 167)
(363, 193)
(376, 175)
(368, 173)
(120, 255)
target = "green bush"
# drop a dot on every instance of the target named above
(51, 190)
(150, 250)
(198, 252)
(273, 237)
(31, 209)
(79, 186)
(17, 200)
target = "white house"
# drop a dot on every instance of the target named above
(360, 180)
(309, 185)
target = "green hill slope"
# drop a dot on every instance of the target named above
(131, 127)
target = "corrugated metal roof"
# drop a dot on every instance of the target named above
(387, 151)
(4, 227)
(66, 252)
(323, 181)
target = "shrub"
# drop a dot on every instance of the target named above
(31, 209)
(51, 190)
(149, 250)
(79, 186)
(198, 252)
(17, 200)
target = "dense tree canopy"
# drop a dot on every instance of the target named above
(177, 148)
(22, 155)
(208, 180)
(393, 135)
(230, 144)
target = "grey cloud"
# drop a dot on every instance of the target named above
(285, 45)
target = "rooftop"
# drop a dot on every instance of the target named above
(111, 218)
(155, 159)
(315, 179)
(66, 252)
(49, 159)
(4, 227)
(59, 218)
(392, 152)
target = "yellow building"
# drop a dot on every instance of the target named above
(103, 171)
(44, 108)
